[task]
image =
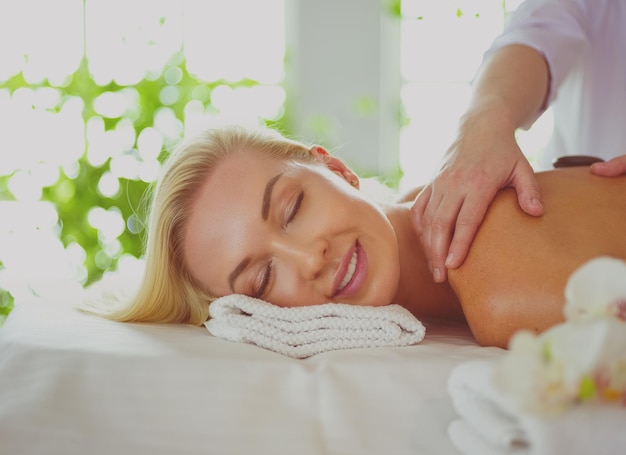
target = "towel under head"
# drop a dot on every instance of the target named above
(305, 331)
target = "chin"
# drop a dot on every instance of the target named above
(393, 283)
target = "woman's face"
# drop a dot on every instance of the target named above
(290, 233)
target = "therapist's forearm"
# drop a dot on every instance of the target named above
(512, 85)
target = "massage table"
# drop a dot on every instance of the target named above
(74, 383)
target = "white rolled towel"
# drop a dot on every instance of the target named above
(492, 422)
(301, 332)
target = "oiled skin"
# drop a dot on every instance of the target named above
(516, 270)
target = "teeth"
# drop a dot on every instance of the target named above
(349, 272)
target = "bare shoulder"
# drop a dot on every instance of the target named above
(517, 267)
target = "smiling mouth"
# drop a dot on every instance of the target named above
(350, 271)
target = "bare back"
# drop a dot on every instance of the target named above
(516, 270)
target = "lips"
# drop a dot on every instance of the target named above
(352, 272)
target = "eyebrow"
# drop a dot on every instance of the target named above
(265, 210)
(267, 196)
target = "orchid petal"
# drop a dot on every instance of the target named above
(595, 288)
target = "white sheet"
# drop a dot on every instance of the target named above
(77, 384)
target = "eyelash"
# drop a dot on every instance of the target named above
(267, 274)
(295, 208)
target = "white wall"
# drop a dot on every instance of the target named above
(343, 79)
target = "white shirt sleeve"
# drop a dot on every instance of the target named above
(555, 28)
(584, 44)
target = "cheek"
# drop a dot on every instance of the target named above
(289, 291)
(387, 271)
(354, 208)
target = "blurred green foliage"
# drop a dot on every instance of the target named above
(74, 196)
(6, 302)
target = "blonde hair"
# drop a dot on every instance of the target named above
(168, 293)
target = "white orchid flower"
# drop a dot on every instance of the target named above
(596, 289)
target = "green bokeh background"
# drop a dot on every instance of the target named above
(74, 196)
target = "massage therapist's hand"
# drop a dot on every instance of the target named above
(610, 168)
(448, 211)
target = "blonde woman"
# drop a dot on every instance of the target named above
(252, 212)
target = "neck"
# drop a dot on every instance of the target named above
(417, 291)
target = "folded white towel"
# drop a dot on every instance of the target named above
(305, 331)
(492, 422)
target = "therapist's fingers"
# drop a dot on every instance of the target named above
(450, 222)
(419, 207)
(610, 168)
(421, 215)
(435, 218)
(441, 225)
(434, 231)
(469, 219)
(528, 189)
(477, 201)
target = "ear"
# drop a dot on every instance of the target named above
(334, 164)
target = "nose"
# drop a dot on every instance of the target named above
(308, 256)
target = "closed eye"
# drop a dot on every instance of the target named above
(266, 276)
(295, 208)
